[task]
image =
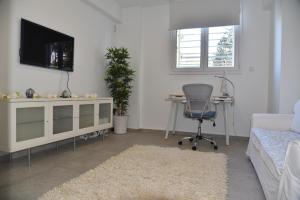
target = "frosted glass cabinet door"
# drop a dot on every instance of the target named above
(104, 113)
(86, 115)
(62, 119)
(30, 123)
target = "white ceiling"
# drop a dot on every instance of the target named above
(129, 3)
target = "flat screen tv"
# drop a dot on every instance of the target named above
(43, 47)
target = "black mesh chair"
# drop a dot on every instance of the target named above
(197, 107)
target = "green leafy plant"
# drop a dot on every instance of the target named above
(119, 78)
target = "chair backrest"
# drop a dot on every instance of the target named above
(197, 96)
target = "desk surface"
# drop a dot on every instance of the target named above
(214, 99)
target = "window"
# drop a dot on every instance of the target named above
(188, 48)
(207, 49)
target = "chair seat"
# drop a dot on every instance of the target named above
(199, 115)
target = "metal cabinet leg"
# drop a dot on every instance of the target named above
(74, 143)
(10, 157)
(103, 134)
(56, 146)
(29, 157)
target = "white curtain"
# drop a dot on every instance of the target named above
(186, 14)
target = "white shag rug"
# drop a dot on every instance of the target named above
(150, 173)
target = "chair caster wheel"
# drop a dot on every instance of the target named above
(180, 143)
(216, 147)
(211, 143)
(191, 139)
(194, 148)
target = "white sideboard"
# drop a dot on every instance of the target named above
(27, 123)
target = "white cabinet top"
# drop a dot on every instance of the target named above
(23, 100)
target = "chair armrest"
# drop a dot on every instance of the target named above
(280, 122)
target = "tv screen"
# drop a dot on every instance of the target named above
(43, 47)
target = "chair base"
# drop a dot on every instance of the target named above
(196, 141)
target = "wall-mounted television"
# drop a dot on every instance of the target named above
(44, 47)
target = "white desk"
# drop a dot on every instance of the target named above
(175, 100)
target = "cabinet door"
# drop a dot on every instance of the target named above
(86, 117)
(104, 113)
(29, 125)
(62, 120)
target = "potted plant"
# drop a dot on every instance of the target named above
(119, 78)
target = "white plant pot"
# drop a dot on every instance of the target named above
(120, 124)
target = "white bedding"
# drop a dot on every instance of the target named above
(267, 150)
(274, 144)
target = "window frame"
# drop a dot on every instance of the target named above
(203, 68)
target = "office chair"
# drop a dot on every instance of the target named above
(197, 108)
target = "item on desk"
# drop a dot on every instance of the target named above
(16, 95)
(65, 94)
(94, 95)
(4, 96)
(222, 98)
(30, 93)
(52, 96)
(37, 96)
(176, 95)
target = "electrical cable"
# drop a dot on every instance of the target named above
(68, 84)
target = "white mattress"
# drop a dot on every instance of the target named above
(267, 150)
(269, 182)
(273, 146)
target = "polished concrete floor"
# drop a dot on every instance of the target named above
(51, 168)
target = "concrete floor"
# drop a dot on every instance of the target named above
(50, 168)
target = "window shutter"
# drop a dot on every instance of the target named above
(189, 48)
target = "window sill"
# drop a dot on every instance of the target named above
(218, 71)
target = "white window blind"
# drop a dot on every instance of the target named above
(186, 14)
(189, 48)
(221, 46)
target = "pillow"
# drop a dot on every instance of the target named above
(296, 120)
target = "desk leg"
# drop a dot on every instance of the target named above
(225, 123)
(169, 120)
(175, 117)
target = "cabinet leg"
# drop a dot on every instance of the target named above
(56, 146)
(29, 157)
(74, 143)
(103, 135)
(10, 157)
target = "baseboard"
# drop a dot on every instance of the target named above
(157, 131)
(4, 157)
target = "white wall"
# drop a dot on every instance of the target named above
(4, 33)
(157, 82)
(275, 67)
(108, 7)
(133, 41)
(286, 68)
(93, 33)
(290, 73)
